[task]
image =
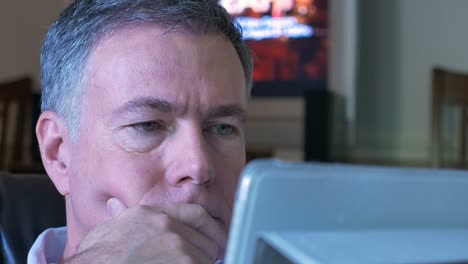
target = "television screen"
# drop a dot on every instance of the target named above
(289, 43)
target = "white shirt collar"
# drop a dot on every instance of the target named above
(48, 247)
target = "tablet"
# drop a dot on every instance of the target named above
(299, 213)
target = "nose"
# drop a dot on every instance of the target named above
(191, 159)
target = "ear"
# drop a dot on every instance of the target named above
(55, 148)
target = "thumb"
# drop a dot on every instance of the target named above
(115, 206)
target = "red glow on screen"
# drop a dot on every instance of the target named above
(288, 38)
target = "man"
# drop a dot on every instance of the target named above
(142, 130)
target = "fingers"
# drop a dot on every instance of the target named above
(170, 248)
(190, 250)
(195, 238)
(191, 222)
(192, 215)
(115, 207)
(177, 219)
(196, 217)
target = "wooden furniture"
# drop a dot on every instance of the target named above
(15, 103)
(448, 88)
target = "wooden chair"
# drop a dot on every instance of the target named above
(448, 88)
(12, 127)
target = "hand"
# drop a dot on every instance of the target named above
(173, 233)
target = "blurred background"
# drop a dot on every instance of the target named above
(350, 81)
(335, 80)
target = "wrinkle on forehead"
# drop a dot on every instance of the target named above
(175, 66)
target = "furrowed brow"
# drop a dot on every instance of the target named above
(227, 111)
(143, 104)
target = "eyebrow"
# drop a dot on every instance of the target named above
(143, 103)
(150, 103)
(227, 111)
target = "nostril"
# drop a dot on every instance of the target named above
(194, 180)
(185, 180)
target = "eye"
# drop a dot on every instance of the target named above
(147, 127)
(223, 129)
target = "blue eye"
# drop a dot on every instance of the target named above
(224, 129)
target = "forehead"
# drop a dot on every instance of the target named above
(145, 60)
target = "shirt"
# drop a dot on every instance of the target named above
(48, 247)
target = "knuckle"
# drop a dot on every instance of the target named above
(143, 209)
(198, 210)
(138, 210)
(185, 259)
(214, 249)
(176, 241)
(164, 221)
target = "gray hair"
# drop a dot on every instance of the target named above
(84, 23)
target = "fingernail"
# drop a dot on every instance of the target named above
(115, 206)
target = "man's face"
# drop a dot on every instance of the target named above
(162, 122)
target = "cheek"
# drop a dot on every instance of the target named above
(230, 186)
(106, 173)
(129, 177)
(228, 173)
(229, 167)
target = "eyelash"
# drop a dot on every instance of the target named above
(214, 127)
(141, 128)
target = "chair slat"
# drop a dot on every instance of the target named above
(16, 92)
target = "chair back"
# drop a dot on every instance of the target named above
(448, 88)
(29, 204)
(14, 95)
